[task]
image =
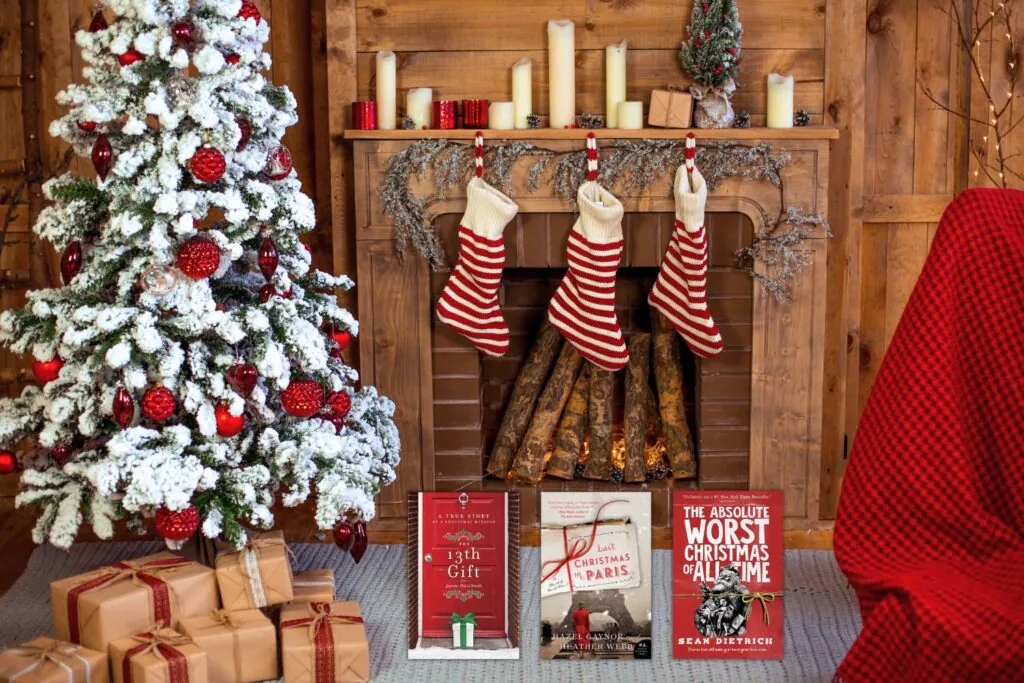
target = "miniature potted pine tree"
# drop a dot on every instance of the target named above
(190, 368)
(711, 55)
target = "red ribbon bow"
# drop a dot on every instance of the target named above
(322, 636)
(580, 547)
(164, 646)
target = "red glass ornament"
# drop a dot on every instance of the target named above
(267, 292)
(62, 454)
(340, 403)
(268, 258)
(343, 338)
(360, 542)
(102, 156)
(242, 378)
(8, 462)
(158, 404)
(303, 398)
(343, 535)
(337, 420)
(228, 425)
(232, 59)
(250, 11)
(71, 262)
(99, 22)
(207, 165)
(246, 129)
(87, 126)
(199, 258)
(133, 56)
(124, 407)
(183, 34)
(177, 526)
(279, 163)
(45, 371)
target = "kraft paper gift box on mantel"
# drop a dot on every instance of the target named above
(316, 585)
(241, 647)
(128, 597)
(670, 109)
(45, 660)
(462, 629)
(258, 575)
(324, 643)
(159, 656)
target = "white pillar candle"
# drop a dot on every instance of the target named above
(614, 82)
(386, 106)
(562, 73)
(630, 115)
(417, 106)
(522, 91)
(501, 116)
(780, 101)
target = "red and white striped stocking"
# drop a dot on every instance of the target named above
(469, 302)
(680, 292)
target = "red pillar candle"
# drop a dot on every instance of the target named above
(474, 113)
(444, 114)
(364, 115)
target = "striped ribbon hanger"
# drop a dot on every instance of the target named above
(691, 152)
(591, 157)
(478, 154)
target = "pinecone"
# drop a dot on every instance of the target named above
(618, 475)
(533, 120)
(587, 120)
(578, 472)
(802, 118)
(408, 123)
(658, 471)
(742, 120)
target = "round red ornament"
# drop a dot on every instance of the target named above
(360, 542)
(207, 165)
(250, 11)
(266, 292)
(242, 378)
(98, 23)
(343, 535)
(228, 425)
(183, 34)
(199, 258)
(177, 526)
(158, 404)
(246, 128)
(340, 403)
(8, 462)
(232, 59)
(133, 56)
(71, 261)
(102, 156)
(62, 454)
(279, 163)
(268, 258)
(87, 126)
(343, 338)
(45, 371)
(303, 398)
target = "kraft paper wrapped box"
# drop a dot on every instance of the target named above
(316, 585)
(128, 597)
(45, 660)
(324, 642)
(241, 647)
(161, 656)
(258, 575)
(670, 109)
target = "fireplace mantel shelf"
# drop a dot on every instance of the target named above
(803, 133)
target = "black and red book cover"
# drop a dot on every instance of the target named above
(727, 578)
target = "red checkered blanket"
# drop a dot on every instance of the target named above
(930, 531)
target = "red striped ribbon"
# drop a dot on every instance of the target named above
(478, 154)
(163, 647)
(691, 151)
(322, 636)
(591, 157)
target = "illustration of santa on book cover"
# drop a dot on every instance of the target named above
(727, 576)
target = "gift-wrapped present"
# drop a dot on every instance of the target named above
(324, 643)
(160, 655)
(248, 636)
(463, 626)
(255, 576)
(316, 585)
(45, 660)
(126, 598)
(670, 109)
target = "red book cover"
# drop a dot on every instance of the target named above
(727, 576)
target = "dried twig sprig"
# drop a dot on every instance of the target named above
(779, 247)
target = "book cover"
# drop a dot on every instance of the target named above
(727, 559)
(595, 551)
(463, 600)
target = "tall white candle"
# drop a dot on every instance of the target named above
(501, 116)
(630, 115)
(522, 91)
(417, 106)
(386, 106)
(780, 101)
(614, 82)
(562, 73)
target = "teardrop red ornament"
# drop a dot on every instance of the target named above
(176, 526)
(228, 425)
(360, 542)
(279, 163)
(303, 398)
(87, 126)
(45, 371)
(133, 56)
(98, 23)
(158, 404)
(207, 165)
(183, 34)
(8, 462)
(246, 128)
(267, 292)
(250, 11)
(102, 156)
(340, 402)
(124, 407)
(343, 535)
(71, 261)
(269, 257)
(242, 378)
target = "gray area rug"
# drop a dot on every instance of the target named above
(822, 619)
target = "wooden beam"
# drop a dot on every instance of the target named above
(805, 133)
(905, 208)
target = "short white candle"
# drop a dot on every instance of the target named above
(501, 116)
(614, 82)
(386, 106)
(562, 73)
(522, 91)
(630, 115)
(780, 101)
(417, 106)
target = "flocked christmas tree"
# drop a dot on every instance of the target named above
(711, 55)
(190, 368)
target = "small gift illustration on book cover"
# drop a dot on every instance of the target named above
(595, 575)
(727, 574)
